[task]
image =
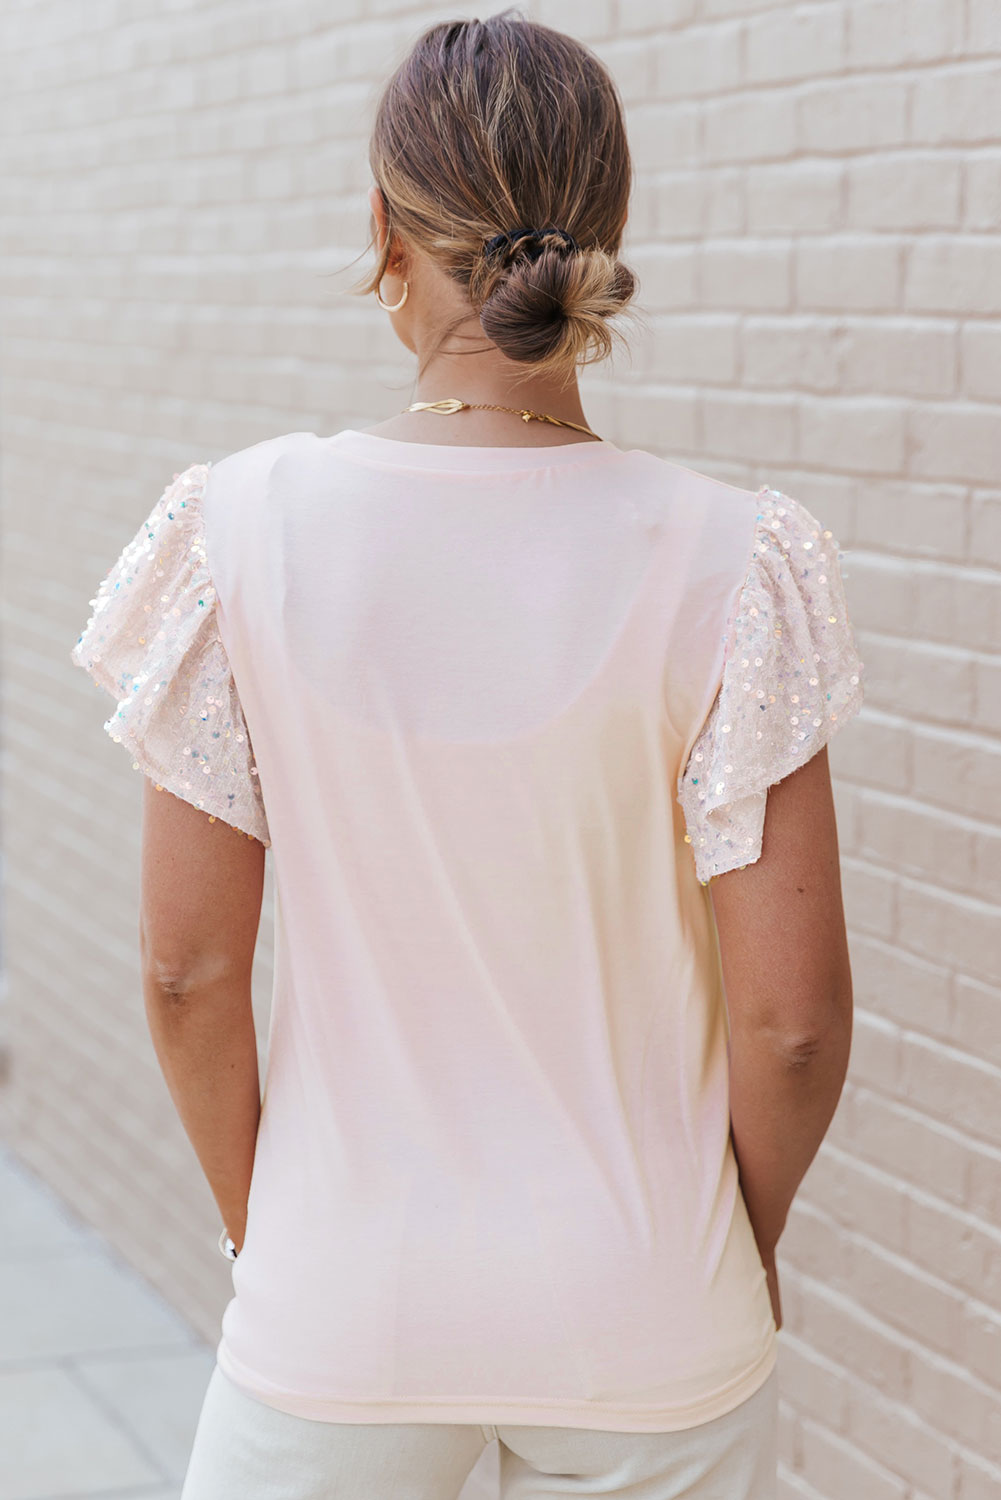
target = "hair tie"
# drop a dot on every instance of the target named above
(531, 240)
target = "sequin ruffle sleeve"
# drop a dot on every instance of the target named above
(791, 678)
(152, 643)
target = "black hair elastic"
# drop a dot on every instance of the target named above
(531, 240)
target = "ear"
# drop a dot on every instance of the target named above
(378, 207)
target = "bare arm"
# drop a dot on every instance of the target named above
(789, 995)
(202, 886)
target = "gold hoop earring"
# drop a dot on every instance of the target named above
(392, 306)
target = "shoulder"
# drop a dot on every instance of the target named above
(688, 491)
(712, 527)
(258, 460)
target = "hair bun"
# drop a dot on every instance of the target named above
(553, 307)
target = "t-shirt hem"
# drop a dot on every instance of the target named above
(535, 1412)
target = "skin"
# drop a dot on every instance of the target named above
(202, 883)
(787, 976)
(780, 920)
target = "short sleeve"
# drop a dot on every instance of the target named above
(791, 677)
(152, 642)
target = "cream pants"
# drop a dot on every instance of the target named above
(246, 1450)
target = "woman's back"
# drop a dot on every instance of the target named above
(493, 1175)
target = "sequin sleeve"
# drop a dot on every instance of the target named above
(152, 642)
(791, 677)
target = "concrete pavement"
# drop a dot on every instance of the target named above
(101, 1380)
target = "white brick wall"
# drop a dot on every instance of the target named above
(816, 229)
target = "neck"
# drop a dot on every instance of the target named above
(487, 378)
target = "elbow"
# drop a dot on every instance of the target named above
(176, 966)
(800, 1052)
(802, 1028)
(175, 978)
(802, 1042)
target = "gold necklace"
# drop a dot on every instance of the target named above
(453, 404)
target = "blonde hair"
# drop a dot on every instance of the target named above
(488, 126)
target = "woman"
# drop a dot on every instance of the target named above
(509, 703)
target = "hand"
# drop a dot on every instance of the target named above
(235, 1220)
(230, 1243)
(771, 1271)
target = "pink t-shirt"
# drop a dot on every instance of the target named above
(500, 714)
